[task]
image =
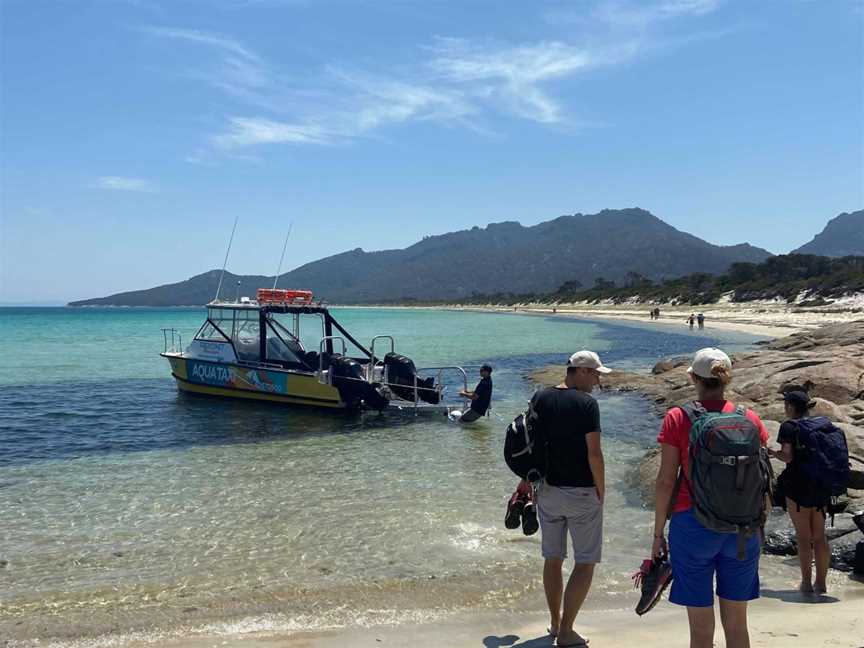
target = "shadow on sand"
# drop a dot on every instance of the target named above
(794, 596)
(513, 641)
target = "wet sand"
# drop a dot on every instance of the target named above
(781, 617)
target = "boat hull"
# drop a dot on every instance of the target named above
(228, 380)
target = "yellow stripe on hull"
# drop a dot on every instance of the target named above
(252, 383)
(239, 393)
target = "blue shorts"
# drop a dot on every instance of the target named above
(697, 553)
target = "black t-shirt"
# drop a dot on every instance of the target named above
(483, 390)
(566, 416)
(788, 433)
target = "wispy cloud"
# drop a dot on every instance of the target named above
(120, 183)
(249, 131)
(206, 38)
(457, 82)
(644, 14)
(513, 74)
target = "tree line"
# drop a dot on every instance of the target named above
(785, 276)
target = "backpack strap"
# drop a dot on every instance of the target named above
(693, 410)
(742, 543)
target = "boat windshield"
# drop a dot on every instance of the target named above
(210, 333)
(282, 345)
(245, 334)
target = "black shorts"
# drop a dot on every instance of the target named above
(801, 490)
(470, 416)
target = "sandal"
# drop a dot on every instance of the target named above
(514, 511)
(654, 576)
(529, 519)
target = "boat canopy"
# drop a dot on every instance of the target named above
(257, 336)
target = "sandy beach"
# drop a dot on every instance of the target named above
(763, 318)
(781, 617)
(770, 319)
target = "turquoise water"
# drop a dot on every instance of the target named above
(128, 507)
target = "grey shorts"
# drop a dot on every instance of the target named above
(574, 510)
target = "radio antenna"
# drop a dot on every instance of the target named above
(284, 247)
(230, 240)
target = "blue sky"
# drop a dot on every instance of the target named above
(133, 132)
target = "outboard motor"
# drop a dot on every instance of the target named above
(401, 373)
(347, 376)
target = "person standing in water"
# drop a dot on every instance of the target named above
(480, 397)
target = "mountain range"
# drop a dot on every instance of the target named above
(614, 245)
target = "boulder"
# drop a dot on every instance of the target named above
(824, 407)
(644, 477)
(670, 363)
(780, 543)
(843, 551)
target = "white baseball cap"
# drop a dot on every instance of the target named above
(587, 360)
(707, 358)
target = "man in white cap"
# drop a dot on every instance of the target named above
(570, 497)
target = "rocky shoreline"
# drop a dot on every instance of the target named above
(828, 360)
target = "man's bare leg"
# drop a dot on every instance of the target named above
(553, 584)
(574, 596)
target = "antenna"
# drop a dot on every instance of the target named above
(231, 240)
(284, 247)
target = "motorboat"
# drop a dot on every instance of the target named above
(257, 349)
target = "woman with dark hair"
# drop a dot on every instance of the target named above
(805, 502)
(698, 553)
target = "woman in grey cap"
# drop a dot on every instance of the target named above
(804, 500)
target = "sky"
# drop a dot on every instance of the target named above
(133, 132)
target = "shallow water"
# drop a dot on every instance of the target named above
(128, 506)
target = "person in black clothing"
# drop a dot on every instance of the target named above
(805, 502)
(480, 398)
(570, 497)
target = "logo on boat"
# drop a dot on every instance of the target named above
(209, 373)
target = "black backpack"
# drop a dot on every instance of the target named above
(825, 461)
(525, 446)
(730, 472)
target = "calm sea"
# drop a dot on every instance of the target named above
(129, 509)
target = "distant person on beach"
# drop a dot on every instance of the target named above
(657, 313)
(480, 397)
(698, 553)
(700, 319)
(805, 501)
(691, 320)
(570, 497)
(651, 313)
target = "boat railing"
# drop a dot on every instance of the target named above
(321, 347)
(370, 369)
(438, 380)
(176, 344)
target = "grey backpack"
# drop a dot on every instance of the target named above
(730, 473)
